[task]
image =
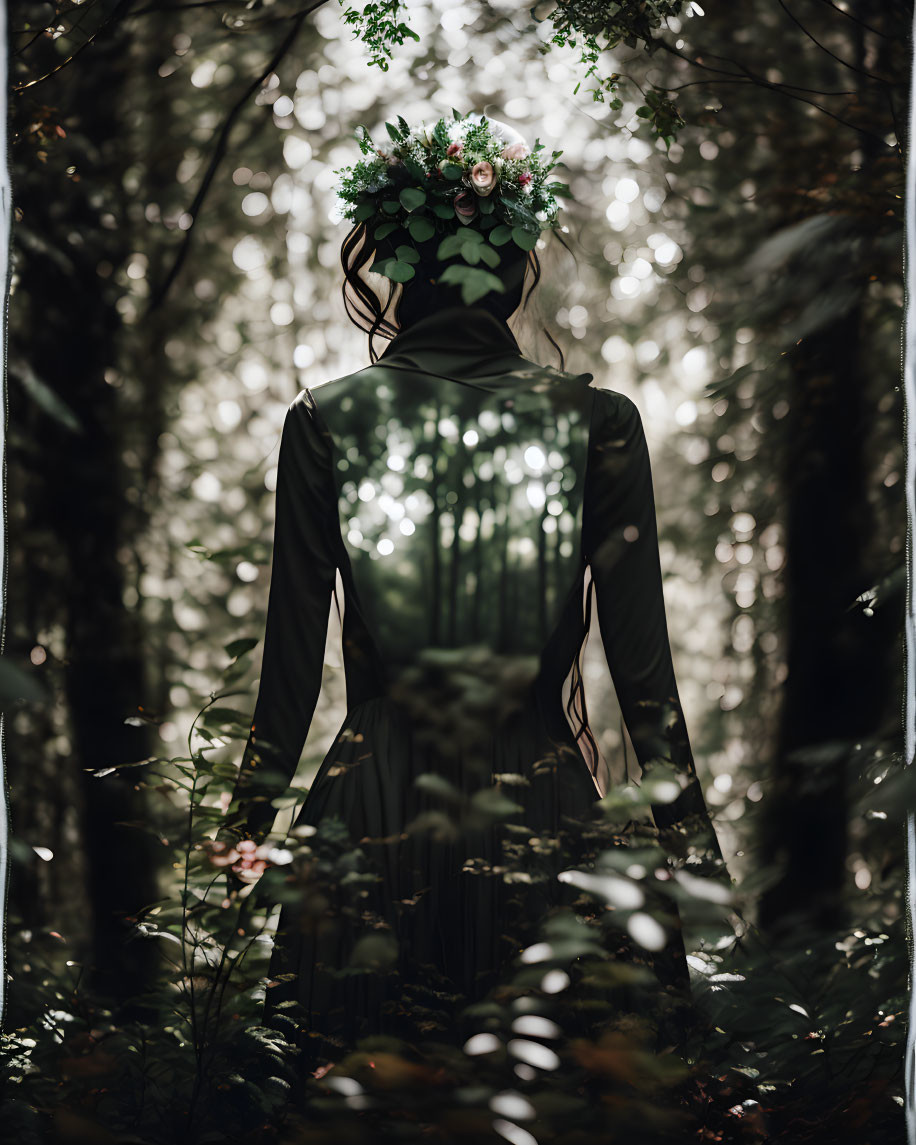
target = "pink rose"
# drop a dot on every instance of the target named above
(483, 177)
(515, 151)
(525, 178)
(453, 149)
(465, 207)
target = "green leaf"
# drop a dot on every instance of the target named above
(224, 716)
(364, 211)
(474, 282)
(239, 647)
(500, 234)
(386, 229)
(519, 214)
(438, 785)
(643, 112)
(414, 168)
(225, 770)
(471, 253)
(490, 800)
(391, 206)
(440, 134)
(485, 204)
(412, 197)
(420, 229)
(407, 254)
(452, 171)
(374, 951)
(380, 266)
(489, 255)
(400, 271)
(450, 246)
(443, 210)
(393, 132)
(524, 239)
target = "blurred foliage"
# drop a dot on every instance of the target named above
(579, 1040)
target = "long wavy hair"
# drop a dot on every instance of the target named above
(366, 309)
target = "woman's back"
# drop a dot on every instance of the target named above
(460, 471)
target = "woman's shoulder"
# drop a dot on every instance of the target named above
(522, 376)
(332, 391)
(612, 405)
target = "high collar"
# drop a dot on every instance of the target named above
(467, 331)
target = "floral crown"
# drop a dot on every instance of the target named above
(471, 181)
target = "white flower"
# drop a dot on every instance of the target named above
(423, 134)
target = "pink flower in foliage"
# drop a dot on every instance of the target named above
(246, 859)
(453, 150)
(465, 207)
(483, 177)
(515, 151)
(525, 178)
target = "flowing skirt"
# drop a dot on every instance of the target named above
(430, 861)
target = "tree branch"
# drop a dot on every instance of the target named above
(220, 150)
(824, 48)
(115, 12)
(856, 19)
(781, 88)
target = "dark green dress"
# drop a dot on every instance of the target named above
(468, 513)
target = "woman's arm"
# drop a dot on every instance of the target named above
(620, 539)
(303, 578)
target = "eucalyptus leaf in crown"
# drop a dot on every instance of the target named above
(471, 183)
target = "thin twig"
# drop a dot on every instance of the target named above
(824, 48)
(115, 12)
(220, 150)
(856, 19)
(782, 89)
(744, 79)
(43, 31)
(181, 7)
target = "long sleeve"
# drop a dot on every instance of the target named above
(303, 575)
(620, 544)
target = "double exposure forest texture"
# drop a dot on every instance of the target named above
(733, 263)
